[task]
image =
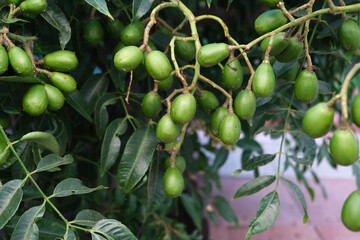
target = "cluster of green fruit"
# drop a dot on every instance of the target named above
(33, 7)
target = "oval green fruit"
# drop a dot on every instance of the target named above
(291, 72)
(62, 61)
(115, 28)
(35, 100)
(349, 35)
(4, 60)
(350, 214)
(128, 58)
(166, 84)
(173, 182)
(167, 130)
(216, 119)
(306, 86)
(180, 163)
(183, 108)
(212, 54)
(151, 105)
(21, 62)
(318, 120)
(344, 147)
(355, 110)
(55, 97)
(185, 50)
(245, 104)
(263, 83)
(33, 6)
(279, 44)
(5, 120)
(158, 65)
(232, 76)
(65, 82)
(269, 20)
(207, 101)
(132, 33)
(230, 129)
(93, 32)
(292, 51)
(270, 3)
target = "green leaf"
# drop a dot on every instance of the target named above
(52, 229)
(4, 10)
(112, 229)
(301, 160)
(267, 130)
(266, 215)
(308, 146)
(254, 186)
(47, 140)
(77, 102)
(236, 172)
(20, 79)
(193, 208)
(220, 158)
(52, 161)
(229, 3)
(140, 8)
(73, 186)
(208, 3)
(101, 6)
(94, 88)
(88, 218)
(137, 157)
(252, 163)
(249, 144)
(110, 148)
(224, 209)
(356, 171)
(101, 115)
(26, 228)
(10, 198)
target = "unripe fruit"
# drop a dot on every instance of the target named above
(350, 214)
(62, 61)
(35, 100)
(207, 101)
(318, 120)
(63, 81)
(230, 129)
(166, 83)
(5, 121)
(4, 60)
(173, 182)
(132, 33)
(21, 62)
(185, 50)
(128, 58)
(167, 130)
(93, 32)
(290, 74)
(158, 65)
(264, 80)
(151, 105)
(306, 86)
(269, 20)
(278, 45)
(291, 52)
(115, 28)
(212, 54)
(270, 3)
(183, 108)
(55, 97)
(33, 6)
(180, 163)
(232, 75)
(216, 119)
(349, 35)
(245, 104)
(344, 147)
(355, 110)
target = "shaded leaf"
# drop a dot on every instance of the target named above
(208, 3)
(88, 217)
(101, 6)
(267, 130)
(249, 144)
(53, 160)
(51, 229)
(112, 229)
(73, 186)
(101, 115)
(193, 208)
(4, 10)
(77, 102)
(94, 88)
(26, 228)
(140, 8)
(10, 198)
(252, 163)
(224, 209)
(302, 161)
(20, 79)
(47, 140)
(254, 186)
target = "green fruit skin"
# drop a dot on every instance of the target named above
(291, 52)
(230, 129)
(62, 61)
(93, 32)
(180, 163)
(16, 2)
(350, 214)
(63, 81)
(212, 54)
(115, 28)
(140, 72)
(216, 119)
(185, 50)
(269, 20)
(33, 6)
(35, 100)
(279, 44)
(318, 120)
(167, 130)
(132, 33)
(128, 58)
(349, 35)
(245, 104)
(270, 3)
(55, 97)
(173, 182)
(306, 86)
(5, 120)
(232, 78)
(355, 110)
(264, 80)
(151, 105)
(344, 147)
(4, 60)
(21, 62)
(166, 84)
(208, 102)
(290, 74)
(183, 108)
(158, 65)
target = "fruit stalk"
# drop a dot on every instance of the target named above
(281, 5)
(268, 49)
(173, 59)
(306, 43)
(302, 7)
(214, 85)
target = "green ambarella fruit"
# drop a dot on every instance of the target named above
(151, 105)
(62, 61)
(232, 76)
(167, 130)
(33, 6)
(166, 84)
(21, 62)
(269, 20)
(65, 82)
(140, 72)
(350, 214)
(355, 110)
(93, 32)
(180, 163)
(290, 74)
(230, 129)
(185, 50)
(292, 51)
(183, 108)
(278, 45)
(318, 120)
(4, 60)
(344, 147)
(216, 119)
(207, 101)
(55, 97)
(212, 54)
(263, 83)
(128, 58)
(270, 3)
(35, 100)
(349, 35)
(5, 121)
(132, 33)
(245, 104)
(306, 86)
(115, 28)
(158, 65)
(173, 182)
